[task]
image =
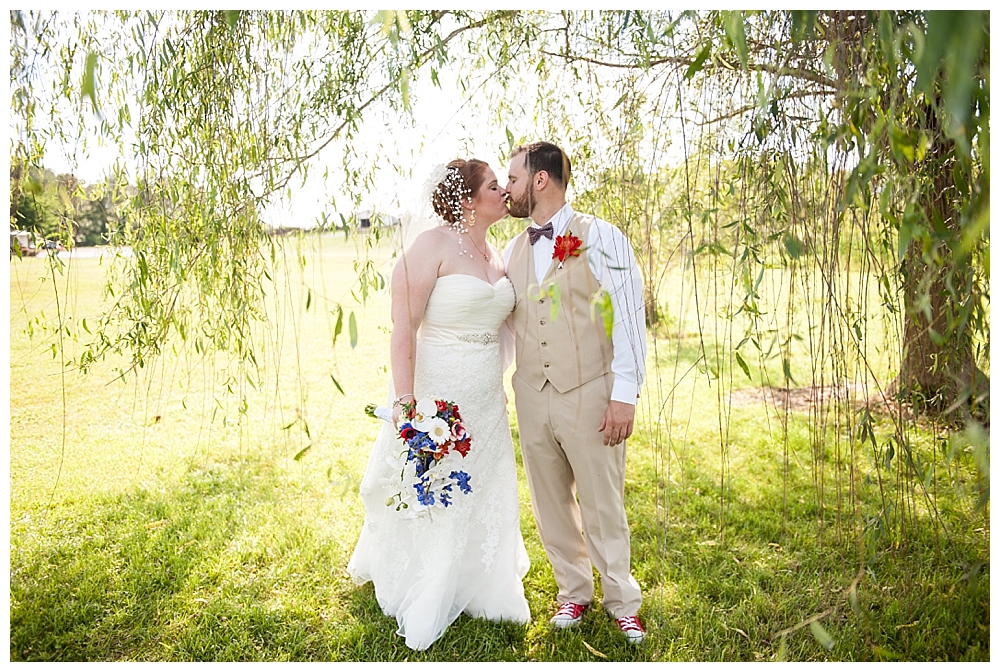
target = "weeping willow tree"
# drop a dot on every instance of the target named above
(850, 150)
(821, 180)
(890, 109)
(224, 111)
(232, 106)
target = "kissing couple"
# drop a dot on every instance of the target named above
(461, 311)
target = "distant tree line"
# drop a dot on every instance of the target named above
(61, 208)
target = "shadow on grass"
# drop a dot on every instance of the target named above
(225, 566)
(725, 573)
(375, 638)
(215, 569)
(231, 565)
(470, 639)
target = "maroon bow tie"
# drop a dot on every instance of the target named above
(536, 232)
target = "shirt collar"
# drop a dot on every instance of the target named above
(561, 219)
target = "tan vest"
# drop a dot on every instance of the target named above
(571, 349)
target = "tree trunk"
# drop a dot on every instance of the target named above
(15, 189)
(938, 376)
(938, 372)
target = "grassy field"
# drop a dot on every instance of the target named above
(163, 518)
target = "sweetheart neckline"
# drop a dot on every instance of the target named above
(474, 277)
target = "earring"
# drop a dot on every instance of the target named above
(472, 218)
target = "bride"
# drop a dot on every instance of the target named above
(449, 297)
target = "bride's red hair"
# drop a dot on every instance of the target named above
(463, 181)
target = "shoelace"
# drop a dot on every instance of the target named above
(630, 623)
(569, 609)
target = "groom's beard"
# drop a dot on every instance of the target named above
(520, 207)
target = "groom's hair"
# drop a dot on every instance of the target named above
(548, 157)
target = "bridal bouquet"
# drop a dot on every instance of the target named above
(436, 442)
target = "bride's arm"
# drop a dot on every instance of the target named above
(411, 285)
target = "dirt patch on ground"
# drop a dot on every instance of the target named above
(826, 398)
(805, 398)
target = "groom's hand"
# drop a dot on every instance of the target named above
(617, 422)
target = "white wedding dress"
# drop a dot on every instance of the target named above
(469, 557)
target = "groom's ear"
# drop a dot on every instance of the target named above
(541, 179)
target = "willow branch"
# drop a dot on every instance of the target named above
(417, 62)
(749, 108)
(800, 73)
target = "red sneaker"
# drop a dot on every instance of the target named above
(568, 615)
(632, 629)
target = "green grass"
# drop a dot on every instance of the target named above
(151, 520)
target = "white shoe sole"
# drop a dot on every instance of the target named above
(565, 622)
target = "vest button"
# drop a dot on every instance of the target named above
(545, 366)
(541, 301)
(542, 322)
(544, 344)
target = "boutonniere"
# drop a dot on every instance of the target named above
(566, 246)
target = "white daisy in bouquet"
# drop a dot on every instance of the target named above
(436, 444)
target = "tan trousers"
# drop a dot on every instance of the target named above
(577, 484)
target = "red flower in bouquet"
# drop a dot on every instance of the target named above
(566, 246)
(462, 447)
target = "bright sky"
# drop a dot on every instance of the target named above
(443, 130)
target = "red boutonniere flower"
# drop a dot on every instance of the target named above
(566, 246)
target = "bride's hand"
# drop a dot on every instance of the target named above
(397, 408)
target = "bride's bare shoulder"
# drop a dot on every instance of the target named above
(432, 239)
(429, 248)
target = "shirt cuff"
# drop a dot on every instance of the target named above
(625, 391)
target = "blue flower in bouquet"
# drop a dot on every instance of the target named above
(462, 479)
(420, 465)
(424, 494)
(421, 443)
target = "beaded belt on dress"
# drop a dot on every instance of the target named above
(481, 339)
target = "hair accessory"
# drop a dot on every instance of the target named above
(450, 191)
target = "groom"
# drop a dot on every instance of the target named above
(575, 390)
